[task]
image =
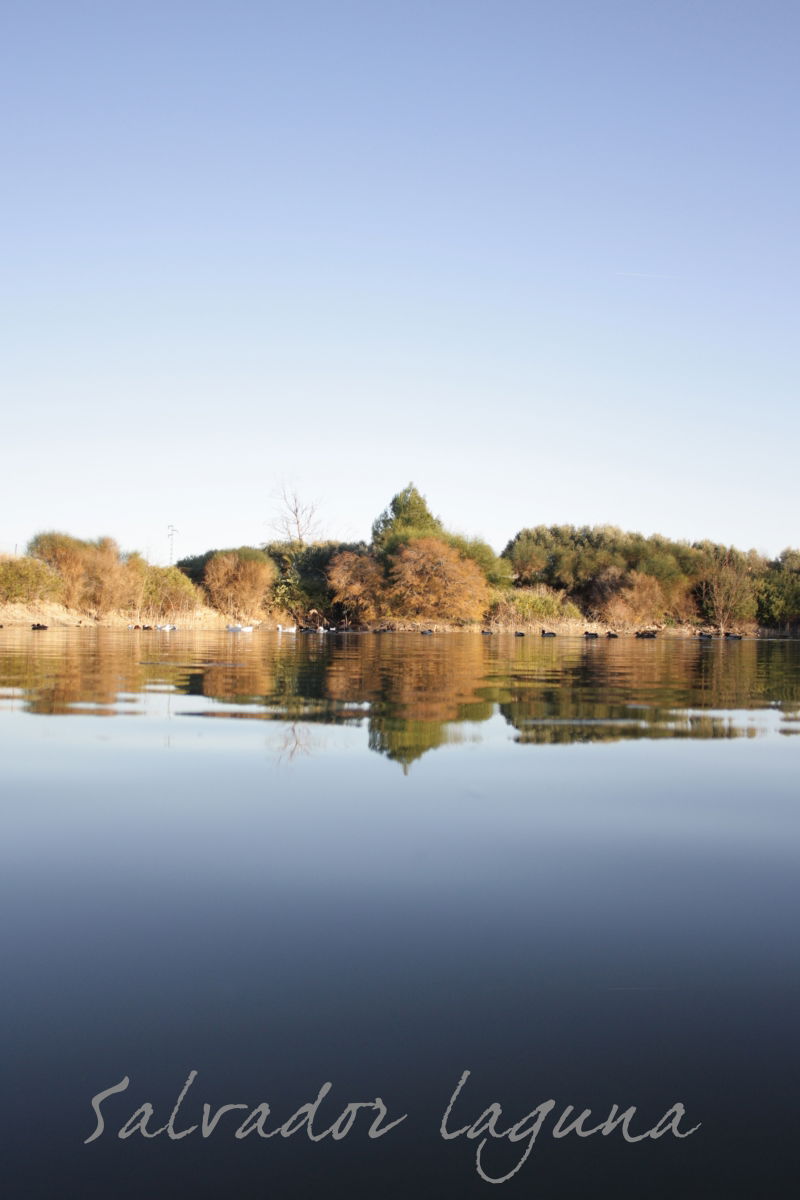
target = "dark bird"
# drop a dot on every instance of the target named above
(547, 633)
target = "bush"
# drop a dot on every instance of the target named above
(239, 583)
(358, 584)
(167, 591)
(525, 606)
(432, 581)
(26, 580)
(640, 601)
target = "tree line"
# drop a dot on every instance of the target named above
(414, 569)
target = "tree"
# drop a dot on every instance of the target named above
(779, 592)
(407, 512)
(295, 520)
(432, 581)
(358, 585)
(727, 588)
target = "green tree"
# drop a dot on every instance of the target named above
(407, 512)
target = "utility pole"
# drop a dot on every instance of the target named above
(171, 531)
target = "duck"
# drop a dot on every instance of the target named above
(706, 637)
(591, 635)
(610, 634)
(38, 626)
(239, 628)
(287, 629)
(426, 632)
(548, 633)
(487, 632)
(519, 633)
(734, 637)
(645, 633)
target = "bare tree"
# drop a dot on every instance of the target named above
(295, 520)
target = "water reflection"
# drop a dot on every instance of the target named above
(413, 694)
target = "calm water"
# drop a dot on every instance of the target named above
(569, 868)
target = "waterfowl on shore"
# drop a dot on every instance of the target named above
(548, 633)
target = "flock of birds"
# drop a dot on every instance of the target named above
(546, 633)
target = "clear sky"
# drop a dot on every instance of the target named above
(538, 256)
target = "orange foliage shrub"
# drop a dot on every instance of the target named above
(432, 581)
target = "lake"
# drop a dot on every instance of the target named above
(380, 862)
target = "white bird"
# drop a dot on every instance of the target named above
(287, 629)
(239, 628)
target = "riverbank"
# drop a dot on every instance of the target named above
(57, 616)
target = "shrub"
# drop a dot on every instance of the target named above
(167, 591)
(358, 585)
(640, 601)
(527, 605)
(431, 580)
(26, 580)
(239, 583)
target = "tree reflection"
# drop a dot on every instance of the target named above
(413, 694)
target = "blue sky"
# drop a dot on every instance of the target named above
(540, 258)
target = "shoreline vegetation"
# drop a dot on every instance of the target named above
(413, 574)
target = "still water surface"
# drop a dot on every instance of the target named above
(570, 868)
